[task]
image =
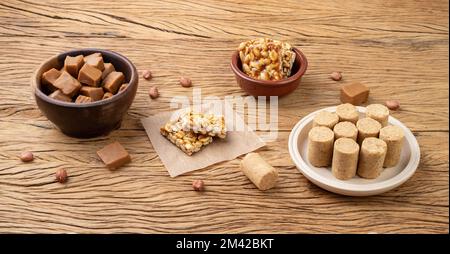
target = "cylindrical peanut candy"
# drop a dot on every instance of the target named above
(371, 158)
(347, 112)
(367, 127)
(393, 136)
(345, 158)
(326, 119)
(378, 112)
(320, 146)
(345, 130)
(261, 173)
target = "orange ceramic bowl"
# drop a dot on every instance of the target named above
(258, 87)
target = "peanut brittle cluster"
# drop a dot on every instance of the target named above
(266, 59)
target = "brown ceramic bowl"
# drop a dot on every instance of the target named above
(90, 119)
(258, 87)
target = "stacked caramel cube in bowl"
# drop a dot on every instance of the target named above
(83, 79)
(86, 92)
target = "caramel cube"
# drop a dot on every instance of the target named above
(95, 93)
(113, 81)
(49, 77)
(83, 99)
(95, 60)
(67, 84)
(89, 75)
(123, 87)
(58, 95)
(114, 155)
(72, 64)
(96, 54)
(355, 93)
(108, 69)
(107, 95)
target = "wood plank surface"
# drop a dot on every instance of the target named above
(398, 48)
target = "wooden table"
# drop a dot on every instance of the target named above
(398, 48)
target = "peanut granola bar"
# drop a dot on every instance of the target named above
(189, 142)
(266, 59)
(192, 131)
(200, 123)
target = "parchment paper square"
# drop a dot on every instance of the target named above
(177, 162)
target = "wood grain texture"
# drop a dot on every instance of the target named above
(398, 48)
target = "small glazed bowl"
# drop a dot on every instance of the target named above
(89, 119)
(258, 87)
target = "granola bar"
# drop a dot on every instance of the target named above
(189, 142)
(200, 123)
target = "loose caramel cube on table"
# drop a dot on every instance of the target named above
(49, 77)
(72, 64)
(107, 95)
(108, 69)
(114, 155)
(95, 60)
(58, 95)
(95, 93)
(67, 84)
(89, 75)
(83, 99)
(113, 81)
(355, 93)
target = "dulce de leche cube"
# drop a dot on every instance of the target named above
(114, 155)
(355, 93)
(49, 77)
(83, 99)
(67, 84)
(113, 81)
(58, 95)
(89, 75)
(72, 64)
(123, 87)
(108, 69)
(95, 60)
(107, 95)
(95, 93)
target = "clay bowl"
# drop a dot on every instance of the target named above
(258, 87)
(90, 119)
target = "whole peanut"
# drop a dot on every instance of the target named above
(26, 156)
(185, 82)
(147, 74)
(61, 175)
(336, 76)
(198, 185)
(393, 104)
(153, 92)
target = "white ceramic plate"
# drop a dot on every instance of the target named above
(389, 179)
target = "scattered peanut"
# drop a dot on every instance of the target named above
(147, 74)
(198, 185)
(26, 156)
(153, 92)
(61, 175)
(393, 104)
(336, 76)
(185, 82)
